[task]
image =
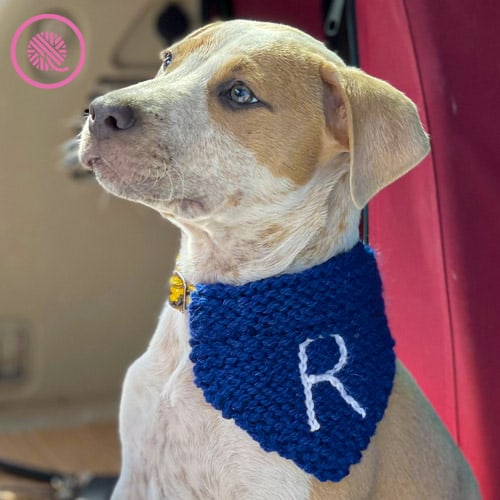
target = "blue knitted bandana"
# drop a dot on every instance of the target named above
(304, 363)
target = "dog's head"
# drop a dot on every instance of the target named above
(242, 115)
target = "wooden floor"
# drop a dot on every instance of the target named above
(93, 448)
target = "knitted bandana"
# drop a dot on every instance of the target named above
(303, 362)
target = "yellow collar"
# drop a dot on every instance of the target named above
(180, 290)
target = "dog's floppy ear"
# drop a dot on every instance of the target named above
(377, 124)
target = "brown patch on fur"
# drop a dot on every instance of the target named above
(287, 132)
(310, 253)
(234, 200)
(322, 491)
(273, 235)
(342, 225)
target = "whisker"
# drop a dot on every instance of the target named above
(127, 184)
(178, 170)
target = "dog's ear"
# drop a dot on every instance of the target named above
(377, 124)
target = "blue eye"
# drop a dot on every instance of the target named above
(241, 94)
(167, 59)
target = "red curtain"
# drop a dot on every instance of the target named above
(438, 229)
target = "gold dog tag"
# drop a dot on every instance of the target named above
(179, 292)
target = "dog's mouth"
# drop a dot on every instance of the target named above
(90, 162)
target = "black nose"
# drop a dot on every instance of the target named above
(106, 119)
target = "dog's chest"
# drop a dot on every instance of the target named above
(177, 446)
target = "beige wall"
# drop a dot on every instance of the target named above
(85, 272)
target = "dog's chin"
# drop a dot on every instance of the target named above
(149, 192)
(112, 181)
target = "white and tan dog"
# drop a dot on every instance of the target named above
(261, 146)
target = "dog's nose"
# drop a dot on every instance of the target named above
(106, 119)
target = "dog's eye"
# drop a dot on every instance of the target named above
(167, 59)
(241, 94)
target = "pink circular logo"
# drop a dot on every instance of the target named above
(46, 52)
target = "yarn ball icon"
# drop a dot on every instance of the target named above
(47, 52)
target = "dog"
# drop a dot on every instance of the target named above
(262, 146)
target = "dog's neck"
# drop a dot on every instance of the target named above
(255, 241)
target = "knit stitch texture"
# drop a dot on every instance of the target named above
(304, 363)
